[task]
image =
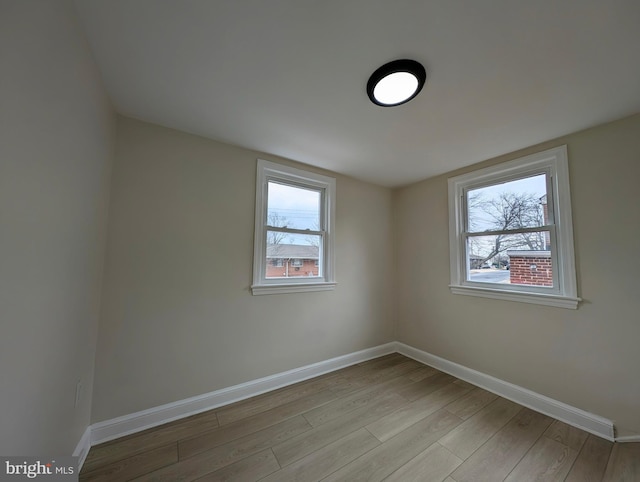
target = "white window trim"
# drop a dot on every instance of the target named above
(554, 161)
(268, 171)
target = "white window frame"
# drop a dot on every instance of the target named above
(552, 162)
(270, 171)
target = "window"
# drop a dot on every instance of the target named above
(295, 212)
(510, 231)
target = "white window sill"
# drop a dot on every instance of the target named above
(557, 301)
(274, 289)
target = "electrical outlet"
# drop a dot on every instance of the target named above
(78, 394)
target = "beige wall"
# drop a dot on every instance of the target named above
(588, 358)
(178, 318)
(56, 145)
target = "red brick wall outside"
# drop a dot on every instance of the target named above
(308, 268)
(531, 270)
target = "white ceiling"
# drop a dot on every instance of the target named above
(288, 77)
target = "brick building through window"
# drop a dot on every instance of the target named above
(533, 267)
(292, 260)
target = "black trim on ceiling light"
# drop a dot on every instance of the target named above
(402, 65)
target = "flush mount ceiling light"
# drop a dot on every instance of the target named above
(396, 83)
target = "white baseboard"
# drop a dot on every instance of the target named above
(136, 422)
(576, 417)
(82, 449)
(628, 438)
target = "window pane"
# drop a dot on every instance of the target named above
(510, 205)
(517, 259)
(293, 255)
(293, 207)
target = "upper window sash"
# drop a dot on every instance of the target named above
(466, 229)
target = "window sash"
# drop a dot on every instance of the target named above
(554, 289)
(497, 232)
(297, 279)
(293, 230)
(520, 174)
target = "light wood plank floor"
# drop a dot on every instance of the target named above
(391, 418)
